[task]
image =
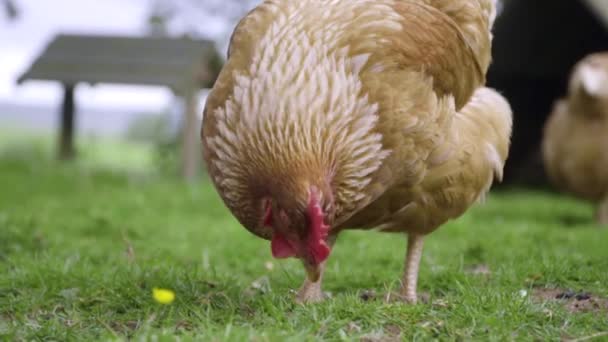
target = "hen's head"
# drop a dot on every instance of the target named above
(300, 222)
(589, 84)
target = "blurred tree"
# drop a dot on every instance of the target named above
(10, 8)
(211, 19)
(160, 13)
(204, 19)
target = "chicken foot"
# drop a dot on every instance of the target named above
(311, 292)
(412, 265)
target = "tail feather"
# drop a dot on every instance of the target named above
(490, 118)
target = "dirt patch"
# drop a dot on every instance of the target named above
(390, 333)
(353, 328)
(125, 328)
(574, 302)
(396, 297)
(392, 297)
(367, 295)
(184, 326)
(479, 269)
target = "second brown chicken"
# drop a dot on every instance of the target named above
(575, 143)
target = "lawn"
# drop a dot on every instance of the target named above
(82, 246)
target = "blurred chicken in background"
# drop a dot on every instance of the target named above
(575, 145)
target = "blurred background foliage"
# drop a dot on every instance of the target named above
(535, 46)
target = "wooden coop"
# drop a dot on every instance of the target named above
(184, 65)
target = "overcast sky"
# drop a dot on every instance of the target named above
(40, 20)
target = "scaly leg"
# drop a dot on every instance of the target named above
(412, 264)
(601, 213)
(311, 292)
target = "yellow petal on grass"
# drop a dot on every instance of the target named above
(163, 296)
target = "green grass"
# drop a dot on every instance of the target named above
(82, 246)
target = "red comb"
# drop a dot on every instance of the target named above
(318, 230)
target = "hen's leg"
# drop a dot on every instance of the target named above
(412, 263)
(310, 291)
(601, 213)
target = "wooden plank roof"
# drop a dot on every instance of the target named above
(171, 62)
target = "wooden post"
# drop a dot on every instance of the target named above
(191, 145)
(66, 135)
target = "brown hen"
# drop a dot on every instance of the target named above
(331, 115)
(575, 144)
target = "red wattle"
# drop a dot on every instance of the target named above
(281, 248)
(319, 251)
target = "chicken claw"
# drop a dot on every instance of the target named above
(311, 292)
